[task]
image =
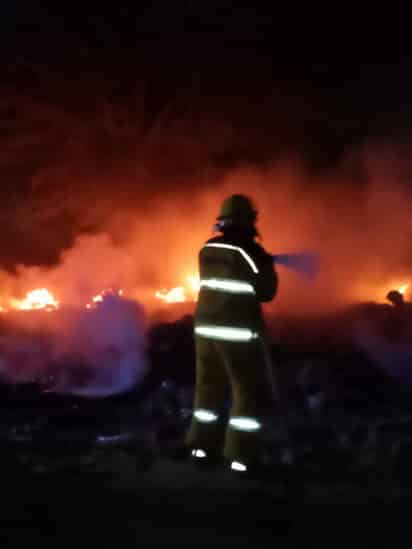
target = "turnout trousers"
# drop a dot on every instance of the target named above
(245, 367)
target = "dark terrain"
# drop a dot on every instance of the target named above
(90, 471)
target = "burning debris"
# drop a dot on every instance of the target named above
(181, 294)
(37, 299)
(99, 298)
(43, 299)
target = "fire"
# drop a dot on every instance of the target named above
(181, 294)
(194, 284)
(98, 298)
(403, 289)
(175, 295)
(39, 298)
(43, 299)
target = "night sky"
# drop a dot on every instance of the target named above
(108, 102)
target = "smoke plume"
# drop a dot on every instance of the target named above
(118, 185)
(115, 160)
(89, 353)
(361, 231)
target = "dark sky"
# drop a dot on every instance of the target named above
(102, 96)
(354, 75)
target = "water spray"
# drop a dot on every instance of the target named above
(305, 264)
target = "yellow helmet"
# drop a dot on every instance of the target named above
(239, 209)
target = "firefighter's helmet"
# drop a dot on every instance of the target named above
(238, 209)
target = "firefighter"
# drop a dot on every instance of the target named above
(397, 322)
(396, 298)
(236, 276)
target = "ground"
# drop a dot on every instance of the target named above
(176, 503)
(71, 471)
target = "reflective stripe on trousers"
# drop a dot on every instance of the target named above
(205, 416)
(225, 333)
(245, 424)
(238, 466)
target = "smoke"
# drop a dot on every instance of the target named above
(114, 168)
(361, 230)
(88, 353)
(120, 185)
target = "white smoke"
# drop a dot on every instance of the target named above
(88, 353)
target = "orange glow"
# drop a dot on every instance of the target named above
(40, 298)
(98, 298)
(175, 295)
(43, 299)
(377, 292)
(187, 292)
(181, 294)
(150, 247)
(194, 284)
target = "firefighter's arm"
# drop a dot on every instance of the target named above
(266, 280)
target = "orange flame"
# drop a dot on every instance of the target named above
(194, 284)
(98, 298)
(43, 299)
(175, 295)
(181, 294)
(403, 289)
(40, 298)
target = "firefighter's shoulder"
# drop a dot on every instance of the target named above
(252, 248)
(216, 240)
(256, 250)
